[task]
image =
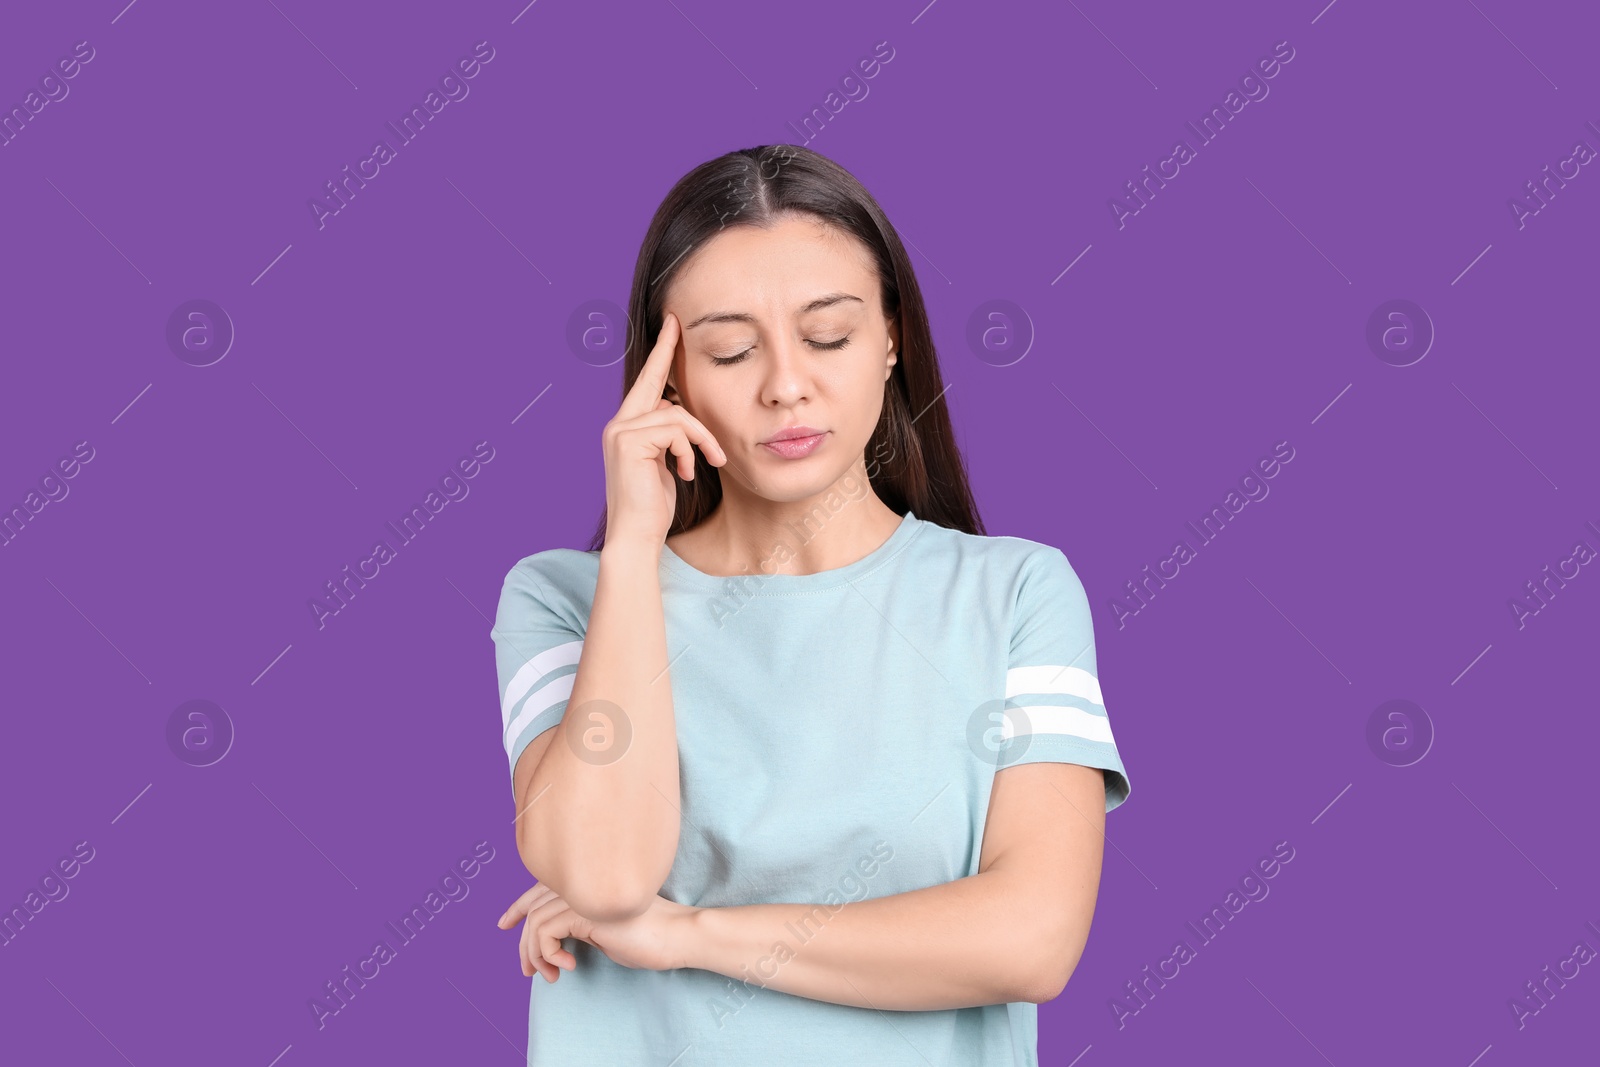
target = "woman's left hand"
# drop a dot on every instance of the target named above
(652, 940)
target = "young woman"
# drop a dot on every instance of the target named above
(809, 768)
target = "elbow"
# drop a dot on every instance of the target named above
(1050, 961)
(1048, 983)
(609, 901)
(593, 892)
(592, 885)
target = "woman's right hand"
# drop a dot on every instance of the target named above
(641, 496)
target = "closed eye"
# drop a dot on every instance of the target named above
(828, 346)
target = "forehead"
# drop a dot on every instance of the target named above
(773, 269)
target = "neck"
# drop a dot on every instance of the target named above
(747, 534)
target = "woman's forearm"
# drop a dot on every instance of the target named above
(604, 829)
(964, 943)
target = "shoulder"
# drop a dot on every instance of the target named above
(556, 583)
(1000, 561)
(556, 565)
(1023, 586)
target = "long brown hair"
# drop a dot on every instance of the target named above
(912, 459)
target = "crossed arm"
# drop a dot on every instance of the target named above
(1012, 932)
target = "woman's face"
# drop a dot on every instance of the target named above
(782, 327)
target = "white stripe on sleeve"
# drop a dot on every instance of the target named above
(549, 696)
(1056, 719)
(1068, 681)
(531, 673)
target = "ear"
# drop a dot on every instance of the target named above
(893, 354)
(670, 390)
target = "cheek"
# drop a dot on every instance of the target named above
(715, 404)
(858, 400)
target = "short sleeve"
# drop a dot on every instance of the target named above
(536, 654)
(1054, 709)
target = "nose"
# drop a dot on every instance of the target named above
(788, 374)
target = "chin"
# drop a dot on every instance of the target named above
(794, 487)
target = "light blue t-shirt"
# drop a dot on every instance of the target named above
(838, 737)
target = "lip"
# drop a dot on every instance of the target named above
(791, 432)
(795, 442)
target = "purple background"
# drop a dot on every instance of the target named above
(1229, 314)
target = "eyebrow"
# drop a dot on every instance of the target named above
(744, 316)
